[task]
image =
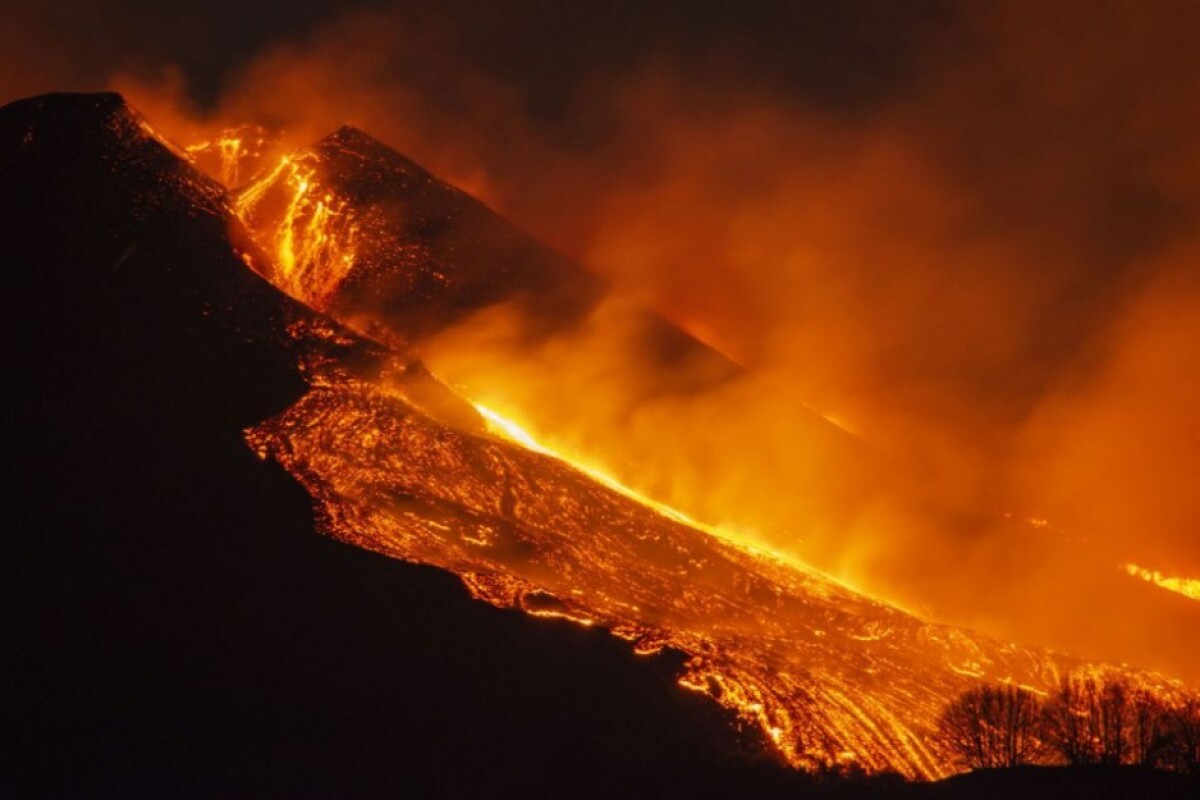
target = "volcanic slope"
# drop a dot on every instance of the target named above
(358, 230)
(353, 228)
(422, 254)
(171, 624)
(827, 674)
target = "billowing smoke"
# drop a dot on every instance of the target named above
(966, 236)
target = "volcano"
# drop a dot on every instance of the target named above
(362, 233)
(425, 254)
(174, 625)
(550, 352)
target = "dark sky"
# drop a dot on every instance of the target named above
(840, 53)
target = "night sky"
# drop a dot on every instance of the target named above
(839, 54)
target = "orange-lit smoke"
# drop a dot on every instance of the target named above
(1188, 587)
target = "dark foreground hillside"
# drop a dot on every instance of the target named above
(1061, 783)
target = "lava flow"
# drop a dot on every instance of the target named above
(314, 240)
(828, 674)
(825, 672)
(225, 155)
(1188, 587)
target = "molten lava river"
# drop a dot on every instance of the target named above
(828, 674)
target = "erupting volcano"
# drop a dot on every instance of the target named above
(356, 230)
(406, 452)
(828, 674)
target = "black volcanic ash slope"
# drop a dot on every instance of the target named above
(171, 624)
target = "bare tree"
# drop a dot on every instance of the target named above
(1114, 725)
(1099, 717)
(993, 726)
(1150, 731)
(1069, 720)
(1184, 736)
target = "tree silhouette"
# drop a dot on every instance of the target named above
(1069, 720)
(1184, 736)
(1098, 717)
(1092, 719)
(1150, 732)
(993, 726)
(1115, 723)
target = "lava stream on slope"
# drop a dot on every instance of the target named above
(828, 674)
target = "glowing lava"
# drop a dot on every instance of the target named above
(826, 673)
(1188, 587)
(822, 671)
(226, 154)
(315, 236)
(508, 429)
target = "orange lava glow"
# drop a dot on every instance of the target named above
(982, 278)
(314, 236)
(228, 150)
(514, 432)
(827, 673)
(1188, 587)
(819, 669)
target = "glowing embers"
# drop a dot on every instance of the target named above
(1188, 587)
(309, 231)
